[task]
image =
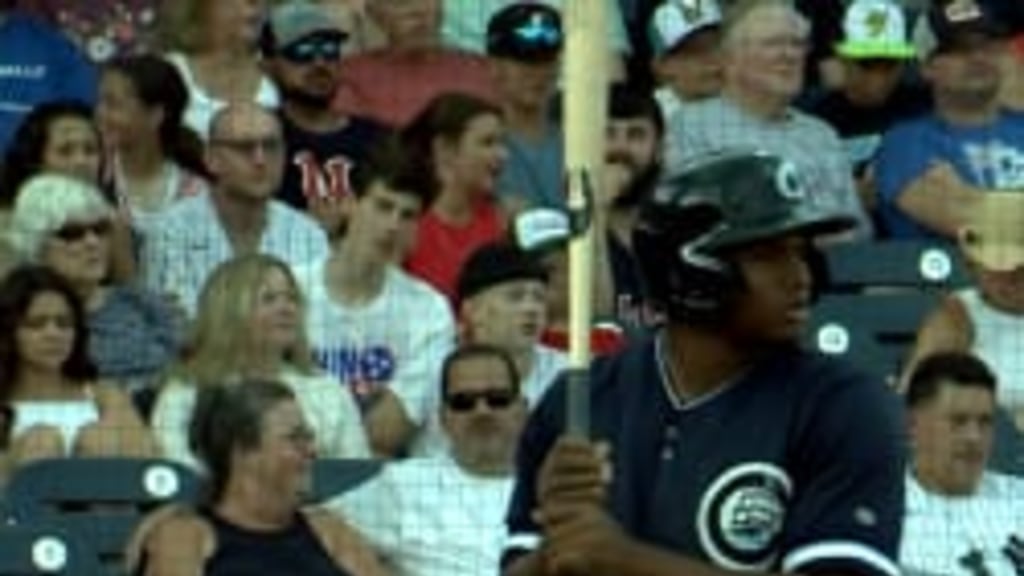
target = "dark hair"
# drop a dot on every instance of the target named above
(469, 351)
(947, 368)
(229, 417)
(17, 293)
(24, 157)
(157, 84)
(447, 117)
(387, 163)
(626, 102)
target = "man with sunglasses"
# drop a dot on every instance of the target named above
(302, 48)
(501, 300)
(524, 44)
(443, 516)
(238, 216)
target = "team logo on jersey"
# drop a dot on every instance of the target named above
(741, 516)
(788, 182)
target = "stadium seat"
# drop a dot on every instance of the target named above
(101, 500)
(872, 330)
(45, 548)
(855, 266)
(334, 476)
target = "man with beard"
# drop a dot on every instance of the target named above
(443, 516)
(932, 171)
(37, 64)
(634, 142)
(302, 46)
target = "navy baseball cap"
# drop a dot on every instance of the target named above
(525, 31)
(497, 263)
(951, 25)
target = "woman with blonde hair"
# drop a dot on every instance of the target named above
(250, 324)
(214, 47)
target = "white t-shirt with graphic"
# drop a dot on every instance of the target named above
(398, 340)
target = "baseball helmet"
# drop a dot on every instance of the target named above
(710, 205)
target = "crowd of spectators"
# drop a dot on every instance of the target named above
(245, 234)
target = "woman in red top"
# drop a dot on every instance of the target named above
(459, 140)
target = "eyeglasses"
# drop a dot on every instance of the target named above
(467, 401)
(311, 49)
(76, 232)
(249, 146)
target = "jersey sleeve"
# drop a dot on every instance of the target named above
(543, 428)
(847, 503)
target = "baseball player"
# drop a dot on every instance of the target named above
(719, 446)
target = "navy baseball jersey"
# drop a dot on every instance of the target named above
(797, 465)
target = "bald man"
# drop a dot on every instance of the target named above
(239, 216)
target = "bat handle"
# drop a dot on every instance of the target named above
(582, 216)
(578, 402)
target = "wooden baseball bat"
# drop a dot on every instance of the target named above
(585, 105)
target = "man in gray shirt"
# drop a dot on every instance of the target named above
(765, 47)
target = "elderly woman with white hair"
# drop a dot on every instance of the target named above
(65, 224)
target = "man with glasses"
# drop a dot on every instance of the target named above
(524, 43)
(238, 216)
(502, 300)
(394, 83)
(302, 48)
(443, 516)
(764, 47)
(932, 171)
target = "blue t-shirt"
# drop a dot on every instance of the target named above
(796, 466)
(37, 65)
(533, 170)
(990, 157)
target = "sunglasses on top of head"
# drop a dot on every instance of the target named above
(540, 31)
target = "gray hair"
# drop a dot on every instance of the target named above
(46, 203)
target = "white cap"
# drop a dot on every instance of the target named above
(875, 29)
(676, 20)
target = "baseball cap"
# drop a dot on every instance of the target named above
(298, 19)
(875, 29)
(541, 230)
(496, 263)
(525, 31)
(951, 24)
(676, 20)
(994, 234)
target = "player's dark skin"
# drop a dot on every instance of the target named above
(580, 536)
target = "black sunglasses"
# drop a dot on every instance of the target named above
(307, 51)
(75, 232)
(467, 401)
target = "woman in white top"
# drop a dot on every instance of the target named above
(214, 46)
(48, 383)
(250, 324)
(153, 159)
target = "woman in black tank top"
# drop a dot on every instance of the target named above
(258, 451)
